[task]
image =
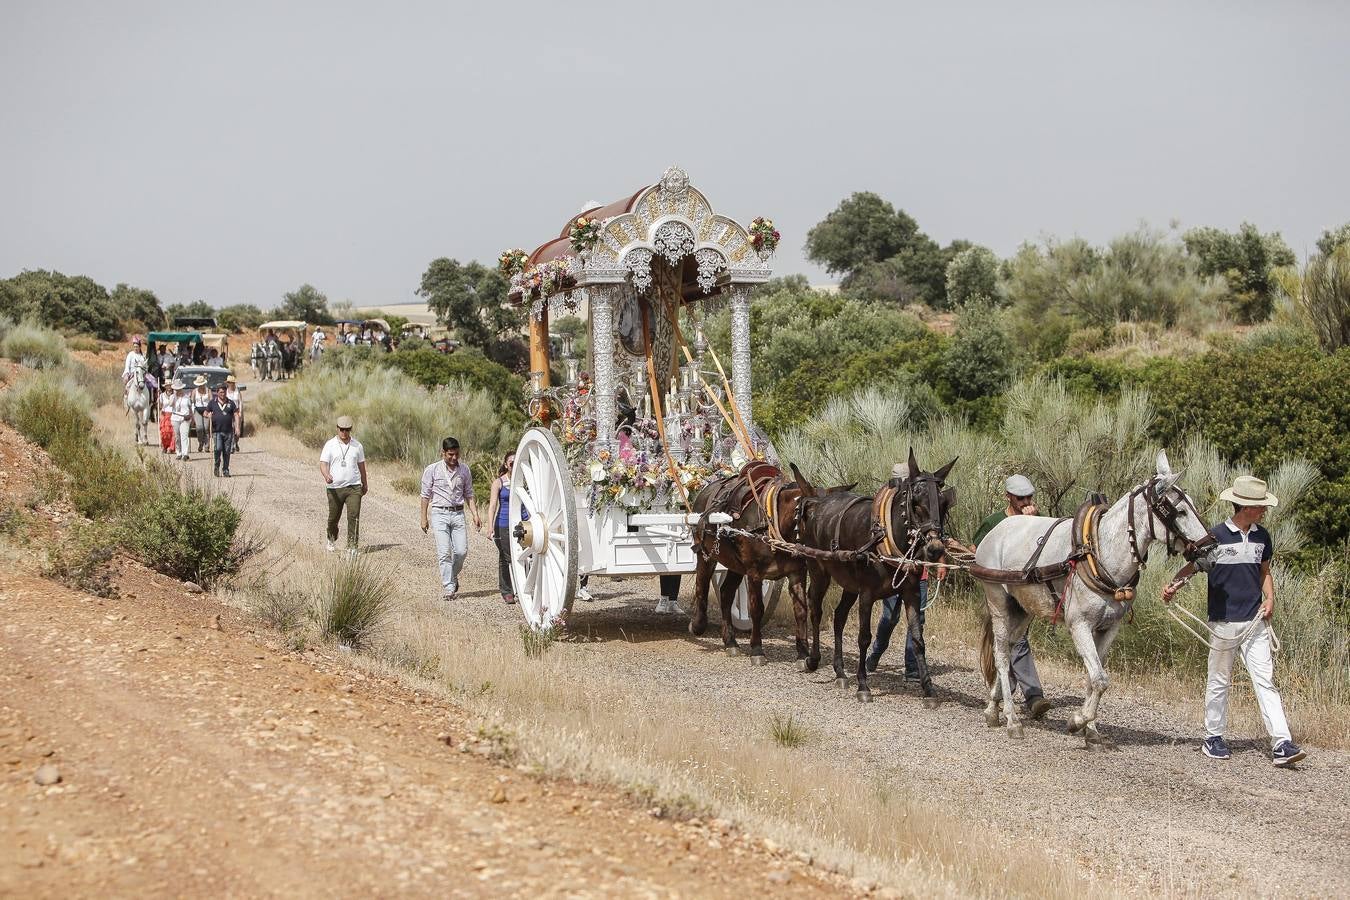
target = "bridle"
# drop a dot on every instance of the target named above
(1166, 510)
(915, 531)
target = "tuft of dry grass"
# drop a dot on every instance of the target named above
(536, 641)
(356, 601)
(787, 731)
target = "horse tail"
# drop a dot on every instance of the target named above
(987, 649)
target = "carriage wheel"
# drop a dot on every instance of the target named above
(544, 557)
(740, 607)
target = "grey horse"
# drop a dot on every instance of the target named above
(1153, 511)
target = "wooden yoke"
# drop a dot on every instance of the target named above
(539, 359)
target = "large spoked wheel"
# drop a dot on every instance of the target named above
(740, 607)
(544, 545)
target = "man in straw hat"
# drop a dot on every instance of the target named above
(1241, 600)
(343, 467)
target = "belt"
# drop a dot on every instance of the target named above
(459, 508)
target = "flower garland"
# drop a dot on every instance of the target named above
(512, 262)
(584, 234)
(763, 237)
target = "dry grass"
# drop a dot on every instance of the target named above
(787, 731)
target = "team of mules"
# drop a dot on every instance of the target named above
(877, 546)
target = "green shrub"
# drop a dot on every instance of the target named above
(407, 484)
(432, 369)
(119, 480)
(34, 346)
(357, 599)
(69, 303)
(980, 361)
(396, 419)
(1260, 405)
(46, 406)
(189, 534)
(787, 731)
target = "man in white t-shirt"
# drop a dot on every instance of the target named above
(343, 467)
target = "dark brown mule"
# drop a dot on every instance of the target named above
(770, 511)
(915, 509)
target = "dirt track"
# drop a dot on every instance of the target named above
(1154, 815)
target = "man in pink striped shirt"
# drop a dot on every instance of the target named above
(447, 486)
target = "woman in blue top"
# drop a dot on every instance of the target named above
(498, 511)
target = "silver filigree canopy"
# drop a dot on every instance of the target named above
(675, 182)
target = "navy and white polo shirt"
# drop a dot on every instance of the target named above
(1235, 580)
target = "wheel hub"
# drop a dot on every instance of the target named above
(532, 535)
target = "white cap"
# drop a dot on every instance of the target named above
(1019, 486)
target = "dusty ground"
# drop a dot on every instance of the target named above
(190, 755)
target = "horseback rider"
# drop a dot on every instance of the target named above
(135, 360)
(1021, 497)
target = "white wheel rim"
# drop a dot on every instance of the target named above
(543, 574)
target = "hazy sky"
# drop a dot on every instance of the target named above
(230, 151)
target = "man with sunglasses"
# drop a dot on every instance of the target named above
(343, 467)
(1021, 496)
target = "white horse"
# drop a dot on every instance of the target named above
(136, 401)
(273, 361)
(258, 359)
(1155, 510)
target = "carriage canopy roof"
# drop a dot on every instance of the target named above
(174, 337)
(286, 323)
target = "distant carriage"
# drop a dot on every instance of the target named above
(279, 352)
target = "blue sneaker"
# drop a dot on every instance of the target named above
(1287, 754)
(1217, 748)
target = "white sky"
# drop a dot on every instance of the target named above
(231, 151)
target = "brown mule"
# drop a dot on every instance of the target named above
(763, 502)
(905, 517)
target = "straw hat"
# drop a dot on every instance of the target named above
(344, 422)
(177, 384)
(900, 470)
(230, 379)
(1248, 490)
(199, 381)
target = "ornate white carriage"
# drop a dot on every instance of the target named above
(605, 475)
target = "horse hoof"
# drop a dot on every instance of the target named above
(1016, 731)
(841, 683)
(931, 703)
(697, 628)
(991, 720)
(760, 660)
(864, 696)
(733, 651)
(1076, 723)
(803, 666)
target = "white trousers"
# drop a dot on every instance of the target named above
(1260, 666)
(181, 431)
(452, 544)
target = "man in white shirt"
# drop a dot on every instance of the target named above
(316, 344)
(343, 467)
(135, 360)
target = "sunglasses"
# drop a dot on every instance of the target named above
(344, 429)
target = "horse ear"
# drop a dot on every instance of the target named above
(1164, 467)
(808, 490)
(942, 473)
(1165, 482)
(914, 470)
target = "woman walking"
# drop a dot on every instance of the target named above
(166, 397)
(499, 511)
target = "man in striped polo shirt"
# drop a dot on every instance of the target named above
(1241, 599)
